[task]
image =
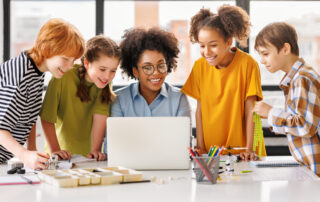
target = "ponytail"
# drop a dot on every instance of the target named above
(231, 21)
(83, 91)
(197, 21)
(236, 23)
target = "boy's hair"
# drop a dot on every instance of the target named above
(137, 40)
(95, 47)
(231, 21)
(57, 37)
(277, 34)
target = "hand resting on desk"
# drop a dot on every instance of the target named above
(99, 156)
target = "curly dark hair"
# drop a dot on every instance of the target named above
(137, 40)
(231, 21)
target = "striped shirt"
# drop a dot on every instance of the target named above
(21, 87)
(300, 119)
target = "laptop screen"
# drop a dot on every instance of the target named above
(149, 143)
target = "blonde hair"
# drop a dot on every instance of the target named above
(57, 37)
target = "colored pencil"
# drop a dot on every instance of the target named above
(202, 165)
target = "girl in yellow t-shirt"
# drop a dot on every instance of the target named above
(225, 81)
(75, 107)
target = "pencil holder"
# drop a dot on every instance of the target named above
(206, 169)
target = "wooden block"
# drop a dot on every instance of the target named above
(89, 176)
(65, 181)
(94, 178)
(83, 179)
(107, 176)
(115, 178)
(132, 176)
(129, 175)
(118, 169)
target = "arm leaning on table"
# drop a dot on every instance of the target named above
(249, 105)
(52, 140)
(199, 129)
(98, 131)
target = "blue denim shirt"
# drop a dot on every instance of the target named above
(130, 103)
(169, 102)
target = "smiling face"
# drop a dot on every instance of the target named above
(58, 65)
(271, 57)
(213, 46)
(101, 71)
(150, 84)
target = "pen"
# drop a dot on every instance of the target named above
(210, 154)
(236, 148)
(26, 179)
(212, 160)
(202, 165)
(135, 181)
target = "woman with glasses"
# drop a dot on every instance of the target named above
(149, 56)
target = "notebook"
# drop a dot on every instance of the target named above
(19, 179)
(149, 143)
(282, 161)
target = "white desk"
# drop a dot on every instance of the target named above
(293, 184)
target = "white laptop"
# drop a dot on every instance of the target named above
(148, 143)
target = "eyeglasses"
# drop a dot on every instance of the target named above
(149, 69)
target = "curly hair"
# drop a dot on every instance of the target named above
(137, 40)
(231, 21)
(95, 47)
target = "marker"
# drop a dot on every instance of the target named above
(214, 151)
(246, 171)
(140, 181)
(202, 165)
(212, 160)
(197, 154)
(26, 179)
(236, 148)
(210, 150)
(210, 154)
